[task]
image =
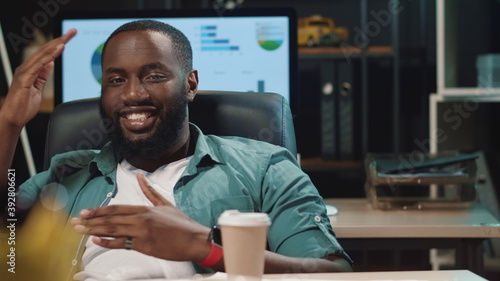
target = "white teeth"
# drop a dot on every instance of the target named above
(138, 116)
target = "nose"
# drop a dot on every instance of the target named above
(134, 92)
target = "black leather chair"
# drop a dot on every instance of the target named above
(261, 116)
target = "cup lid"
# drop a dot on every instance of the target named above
(237, 218)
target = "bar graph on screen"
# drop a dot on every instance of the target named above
(210, 41)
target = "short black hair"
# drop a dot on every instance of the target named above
(180, 43)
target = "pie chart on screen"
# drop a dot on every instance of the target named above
(270, 36)
(95, 63)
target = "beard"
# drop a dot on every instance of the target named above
(163, 136)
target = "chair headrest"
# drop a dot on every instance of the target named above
(262, 116)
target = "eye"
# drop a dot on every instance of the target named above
(156, 77)
(115, 80)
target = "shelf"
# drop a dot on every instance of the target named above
(471, 92)
(47, 105)
(342, 52)
(319, 163)
(459, 45)
(347, 82)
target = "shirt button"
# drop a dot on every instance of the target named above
(317, 218)
(109, 194)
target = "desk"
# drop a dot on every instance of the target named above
(359, 227)
(444, 275)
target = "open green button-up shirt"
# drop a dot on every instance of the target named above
(224, 173)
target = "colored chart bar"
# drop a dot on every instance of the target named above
(208, 27)
(220, 48)
(208, 34)
(215, 41)
(260, 86)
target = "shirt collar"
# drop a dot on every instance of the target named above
(203, 150)
(204, 155)
(105, 161)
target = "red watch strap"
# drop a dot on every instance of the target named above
(213, 257)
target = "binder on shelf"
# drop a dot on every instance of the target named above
(328, 113)
(339, 112)
(345, 97)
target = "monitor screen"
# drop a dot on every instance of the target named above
(239, 50)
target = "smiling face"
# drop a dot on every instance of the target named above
(145, 94)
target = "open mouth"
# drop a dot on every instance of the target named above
(138, 119)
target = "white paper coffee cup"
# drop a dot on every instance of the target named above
(244, 238)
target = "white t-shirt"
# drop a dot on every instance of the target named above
(119, 264)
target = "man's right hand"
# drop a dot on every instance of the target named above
(25, 93)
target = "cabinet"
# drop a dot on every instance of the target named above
(345, 95)
(463, 112)
(355, 102)
(372, 58)
(465, 30)
(461, 108)
(344, 83)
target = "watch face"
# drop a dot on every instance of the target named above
(216, 237)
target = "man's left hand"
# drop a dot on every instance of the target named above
(162, 231)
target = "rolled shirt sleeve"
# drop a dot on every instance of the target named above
(300, 226)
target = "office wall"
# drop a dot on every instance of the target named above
(416, 25)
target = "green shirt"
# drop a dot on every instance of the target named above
(224, 173)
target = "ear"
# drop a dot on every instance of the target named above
(192, 84)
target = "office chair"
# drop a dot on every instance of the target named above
(262, 116)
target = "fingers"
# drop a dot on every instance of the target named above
(56, 45)
(114, 220)
(109, 225)
(52, 49)
(109, 230)
(112, 210)
(105, 220)
(150, 193)
(43, 76)
(160, 231)
(67, 36)
(45, 54)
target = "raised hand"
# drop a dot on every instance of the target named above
(25, 93)
(24, 98)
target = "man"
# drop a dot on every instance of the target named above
(160, 185)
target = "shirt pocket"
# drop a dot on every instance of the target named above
(240, 203)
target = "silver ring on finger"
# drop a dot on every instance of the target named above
(128, 243)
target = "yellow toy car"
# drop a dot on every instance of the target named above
(320, 31)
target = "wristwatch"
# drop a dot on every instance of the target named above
(216, 252)
(216, 238)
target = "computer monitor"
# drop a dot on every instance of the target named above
(238, 50)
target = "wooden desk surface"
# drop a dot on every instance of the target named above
(443, 275)
(357, 219)
(428, 275)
